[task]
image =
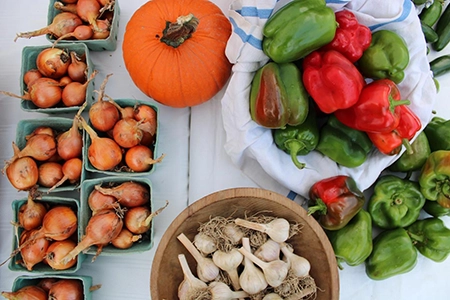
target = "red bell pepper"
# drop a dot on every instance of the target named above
(334, 201)
(377, 110)
(390, 143)
(351, 38)
(331, 80)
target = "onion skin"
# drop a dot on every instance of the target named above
(66, 289)
(31, 214)
(128, 194)
(31, 75)
(140, 158)
(77, 69)
(70, 142)
(138, 219)
(98, 201)
(146, 114)
(49, 174)
(72, 170)
(89, 11)
(34, 252)
(103, 115)
(125, 239)
(59, 223)
(126, 133)
(46, 283)
(23, 173)
(44, 92)
(29, 292)
(57, 251)
(40, 147)
(53, 62)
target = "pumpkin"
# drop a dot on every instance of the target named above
(174, 51)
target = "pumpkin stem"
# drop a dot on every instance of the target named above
(176, 33)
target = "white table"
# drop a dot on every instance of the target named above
(195, 165)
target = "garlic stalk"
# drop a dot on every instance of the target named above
(204, 243)
(272, 296)
(206, 269)
(221, 291)
(229, 262)
(274, 271)
(252, 279)
(277, 229)
(233, 232)
(268, 251)
(190, 282)
(298, 264)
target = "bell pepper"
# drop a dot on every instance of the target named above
(377, 109)
(297, 29)
(435, 209)
(298, 140)
(393, 254)
(409, 162)
(277, 96)
(438, 133)
(395, 202)
(390, 143)
(431, 238)
(386, 57)
(434, 178)
(351, 38)
(331, 80)
(346, 146)
(352, 243)
(334, 201)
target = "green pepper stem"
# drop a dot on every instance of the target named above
(294, 146)
(320, 207)
(407, 145)
(416, 238)
(393, 103)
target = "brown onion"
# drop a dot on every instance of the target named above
(34, 252)
(128, 193)
(31, 75)
(29, 292)
(126, 133)
(81, 33)
(74, 94)
(138, 219)
(57, 251)
(59, 223)
(103, 115)
(22, 173)
(46, 283)
(98, 201)
(41, 130)
(66, 289)
(49, 174)
(78, 68)
(103, 30)
(89, 11)
(125, 239)
(102, 227)
(146, 114)
(39, 146)
(70, 142)
(71, 169)
(65, 80)
(140, 158)
(53, 62)
(31, 213)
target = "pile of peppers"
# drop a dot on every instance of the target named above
(329, 62)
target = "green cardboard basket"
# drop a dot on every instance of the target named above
(108, 44)
(29, 55)
(88, 185)
(42, 268)
(59, 124)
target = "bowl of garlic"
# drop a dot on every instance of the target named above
(244, 243)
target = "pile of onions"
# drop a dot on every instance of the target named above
(78, 20)
(50, 158)
(49, 288)
(60, 79)
(128, 132)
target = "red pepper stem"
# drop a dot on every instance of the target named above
(320, 207)
(407, 145)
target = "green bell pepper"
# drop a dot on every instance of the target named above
(386, 57)
(438, 133)
(278, 97)
(435, 209)
(409, 162)
(346, 146)
(298, 140)
(431, 238)
(352, 244)
(297, 29)
(393, 254)
(434, 178)
(395, 202)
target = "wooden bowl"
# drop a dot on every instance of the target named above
(311, 243)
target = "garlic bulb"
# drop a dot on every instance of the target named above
(190, 282)
(277, 229)
(233, 232)
(229, 262)
(204, 243)
(252, 279)
(206, 268)
(272, 296)
(221, 291)
(268, 251)
(299, 265)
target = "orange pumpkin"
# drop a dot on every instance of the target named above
(174, 51)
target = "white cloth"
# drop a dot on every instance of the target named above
(251, 147)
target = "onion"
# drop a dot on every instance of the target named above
(31, 213)
(59, 223)
(125, 112)
(102, 227)
(138, 219)
(22, 173)
(46, 283)
(40, 147)
(103, 30)
(125, 239)
(34, 252)
(103, 115)
(71, 169)
(62, 23)
(81, 33)
(74, 94)
(146, 114)
(140, 158)
(27, 292)
(41, 130)
(65, 80)
(66, 289)
(89, 11)
(49, 174)
(53, 62)
(77, 69)
(98, 201)
(126, 133)
(57, 251)
(103, 153)
(31, 75)
(70, 142)
(128, 193)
